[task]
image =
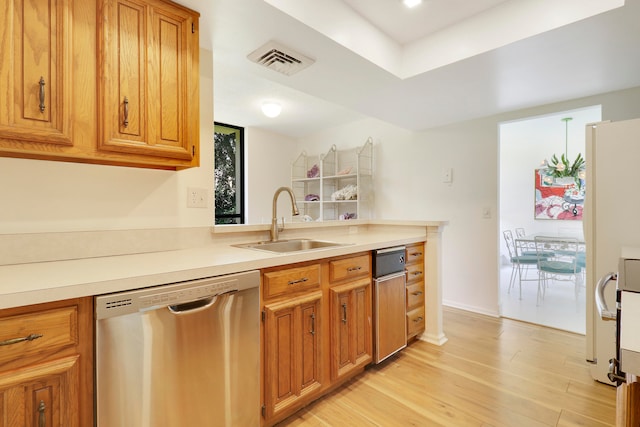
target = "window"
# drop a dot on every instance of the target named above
(229, 173)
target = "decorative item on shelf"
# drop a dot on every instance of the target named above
(350, 192)
(560, 185)
(345, 171)
(346, 216)
(314, 172)
(311, 198)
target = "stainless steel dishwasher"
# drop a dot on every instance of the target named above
(183, 354)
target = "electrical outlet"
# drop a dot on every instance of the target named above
(197, 197)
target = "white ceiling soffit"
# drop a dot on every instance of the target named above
(500, 25)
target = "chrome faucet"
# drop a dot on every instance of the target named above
(274, 220)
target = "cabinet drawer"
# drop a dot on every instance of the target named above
(415, 321)
(415, 295)
(357, 266)
(415, 254)
(291, 280)
(415, 272)
(29, 334)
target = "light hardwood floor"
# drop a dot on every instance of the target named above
(491, 372)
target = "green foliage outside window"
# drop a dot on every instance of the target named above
(228, 172)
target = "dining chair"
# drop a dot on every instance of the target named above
(520, 263)
(563, 265)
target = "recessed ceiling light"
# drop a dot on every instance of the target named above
(411, 3)
(271, 109)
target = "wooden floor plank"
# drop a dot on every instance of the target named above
(491, 372)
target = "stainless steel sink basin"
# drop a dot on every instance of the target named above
(295, 245)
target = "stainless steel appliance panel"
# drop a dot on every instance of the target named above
(390, 321)
(180, 355)
(389, 306)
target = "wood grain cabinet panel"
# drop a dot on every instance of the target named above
(35, 73)
(415, 290)
(149, 80)
(291, 280)
(292, 352)
(46, 365)
(351, 328)
(349, 268)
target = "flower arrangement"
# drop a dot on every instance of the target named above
(562, 168)
(564, 172)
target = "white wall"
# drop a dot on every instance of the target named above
(268, 166)
(408, 186)
(47, 196)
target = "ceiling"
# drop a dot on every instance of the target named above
(443, 62)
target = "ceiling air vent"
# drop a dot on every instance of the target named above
(279, 58)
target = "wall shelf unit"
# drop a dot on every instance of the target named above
(335, 185)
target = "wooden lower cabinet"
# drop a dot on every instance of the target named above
(46, 365)
(351, 330)
(292, 352)
(415, 291)
(316, 330)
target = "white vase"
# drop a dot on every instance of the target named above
(565, 180)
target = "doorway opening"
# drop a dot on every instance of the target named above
(524, 146)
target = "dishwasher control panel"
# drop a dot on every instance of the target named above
(172, 294)
(189, 294)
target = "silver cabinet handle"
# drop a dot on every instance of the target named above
(11, 341)
(416, 254)
(41, 418)
(418, 319)
(126, 112)
(344, 313)
(313, 324)
(294, 282)
(356, 268)
(417, 293)
(416, 273)
(41, 83)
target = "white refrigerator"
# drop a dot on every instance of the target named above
(611, 223)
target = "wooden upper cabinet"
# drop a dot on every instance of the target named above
(35, 72)
(149, 80)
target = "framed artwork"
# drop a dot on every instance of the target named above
(558, 198)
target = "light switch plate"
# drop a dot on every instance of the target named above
(197, 197)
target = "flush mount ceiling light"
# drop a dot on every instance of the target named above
(271, 109)
(411, 3)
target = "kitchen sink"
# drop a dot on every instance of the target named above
(294, 245)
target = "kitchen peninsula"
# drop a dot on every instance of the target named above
(36, 270)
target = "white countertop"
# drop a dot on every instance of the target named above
(37, 282)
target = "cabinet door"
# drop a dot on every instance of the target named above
(35, 71)
(351, 333)
(148, 79)
(292, 352)
(41, 395)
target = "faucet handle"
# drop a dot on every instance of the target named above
(281, 228)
